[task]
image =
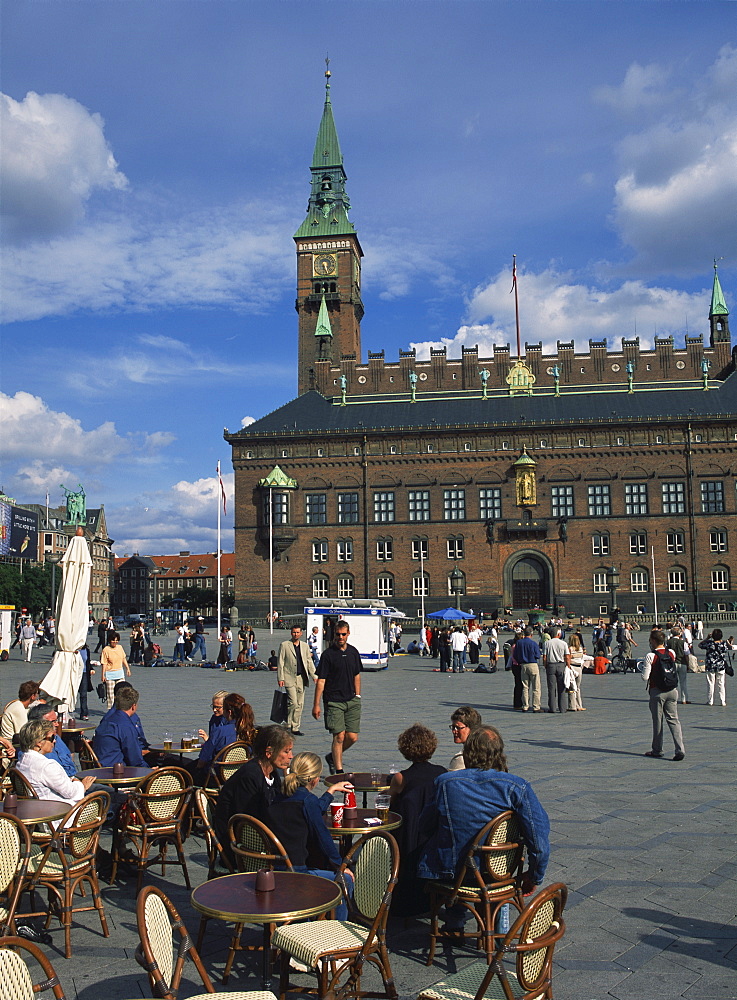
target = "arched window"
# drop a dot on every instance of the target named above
(639, 580)
(421, 585)
(677, 580)
(320, 586)
(720, 578)
(385, 585)
(345, 585)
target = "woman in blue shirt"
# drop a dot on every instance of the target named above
(298, 821)
(238, 724)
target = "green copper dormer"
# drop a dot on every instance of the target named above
(323, 328)
(718, 305)
(328, 207)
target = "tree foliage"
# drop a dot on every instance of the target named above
(196, 599)
(32, 590)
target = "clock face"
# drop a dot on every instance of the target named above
(324, 264)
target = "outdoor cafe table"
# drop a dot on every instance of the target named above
(32, 811)
(357, 827)
(361, 781)
(130, 775)
(71, 734)
(160, 748)
(295, 896)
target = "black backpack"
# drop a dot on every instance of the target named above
(666, 675)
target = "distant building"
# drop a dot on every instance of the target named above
(569, 482)
(145, 582)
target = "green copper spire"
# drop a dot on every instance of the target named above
(328, 207)
(718, 305)
(323, 328)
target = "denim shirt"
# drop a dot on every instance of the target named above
(464, 802)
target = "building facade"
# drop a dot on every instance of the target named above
(575, 481)
(146, 583)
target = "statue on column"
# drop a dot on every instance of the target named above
(630, 369)
(413, 385)
(484, 374)
(76, 505)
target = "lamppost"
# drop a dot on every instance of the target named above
(153, 574)
(612, 578)
(456, 585)
(53, 558)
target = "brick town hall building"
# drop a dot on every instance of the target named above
(521, 482)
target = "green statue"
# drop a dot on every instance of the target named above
(76, 505)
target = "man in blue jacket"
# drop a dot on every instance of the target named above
(466, 800)
(117, 739)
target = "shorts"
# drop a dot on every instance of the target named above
(343, 716)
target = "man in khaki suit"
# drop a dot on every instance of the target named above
(294, 670)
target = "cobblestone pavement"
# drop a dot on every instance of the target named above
(647, 847)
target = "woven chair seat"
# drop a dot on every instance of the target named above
(465, 985)
(16, 978)
(136, 830)
(3, 914)
(54, 865)
(307, 942)
(472, 891)
(240, 995)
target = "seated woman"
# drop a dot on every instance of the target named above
(47, 777)
(238, 725)
(462, 721)
(217, 718)
(410, 791)
(298, 821)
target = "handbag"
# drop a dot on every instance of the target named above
(279, 707)
(101, 691)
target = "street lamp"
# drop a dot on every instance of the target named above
(156, 571)
(53, 558)
(612, 578)
(456, 586)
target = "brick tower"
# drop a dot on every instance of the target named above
(328, 261)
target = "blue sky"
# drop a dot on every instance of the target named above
(156, 164)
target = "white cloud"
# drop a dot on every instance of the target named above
(642, 89)
(553, 307)
(39, 445)
(676, 195)
(247, 421)
(395, 260)
(54, 155)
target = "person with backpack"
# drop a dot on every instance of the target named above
(661, 678)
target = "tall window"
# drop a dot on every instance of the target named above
(320, 587)
(635, 498)
(385, 586)
(454, 505)
(600, 582)
(676, 580)
(675, 542)
(718, 541)
(345, 586)
(638, 543)
(316, 508)
(600, 501)
(419, 505)
(279, 505)
(348, 508)
(720, 578)
(562, 501)
(320, 550)
(600, 544)
(674, 498)
(712, 497)
(490, 503)
(639, 581)
(384, 549)
(420, 585)
(419, 548)
(455, 548)
(344, 550)
(383, 507)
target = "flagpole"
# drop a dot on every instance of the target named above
(516, 303)
(271, 560)
(655, 590)
(220, 593)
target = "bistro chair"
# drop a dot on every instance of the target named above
(228, 760)
(21, 785)
(156, 813)
(489, 877)
(163, 955)
(334, 948)
(218, 863)
(67, 862)
(528, 947)
(15, 850)
(16, 982)
(87, 756)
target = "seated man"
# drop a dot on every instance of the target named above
(60, 751)
(47, 776)
(15, 714)
(151, 757)
(117, 740)
(468, 799)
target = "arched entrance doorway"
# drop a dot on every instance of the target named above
(530, 582)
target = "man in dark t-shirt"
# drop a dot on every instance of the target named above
(339, 684)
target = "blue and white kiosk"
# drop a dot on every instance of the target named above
(369, 622)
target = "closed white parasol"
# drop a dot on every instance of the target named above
(72, 621)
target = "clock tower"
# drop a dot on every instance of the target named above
(328, 261)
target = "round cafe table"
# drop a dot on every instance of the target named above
(160, 748)
(33, 811)
(130, 775)
(295, 896)
(71, 734)
(357, 827)
(361, 781)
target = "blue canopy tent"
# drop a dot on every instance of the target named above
(451, 615)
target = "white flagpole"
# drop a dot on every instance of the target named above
(271, 560)
(655, 589)
(422, 584)
(220, 595)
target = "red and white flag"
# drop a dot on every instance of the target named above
(222, 490)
